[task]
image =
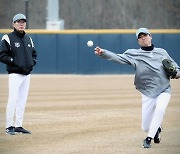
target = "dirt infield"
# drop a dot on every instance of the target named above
(87, 114)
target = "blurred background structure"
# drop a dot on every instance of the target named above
(53, 22)
(94, 14)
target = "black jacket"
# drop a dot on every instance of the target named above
(18, 53)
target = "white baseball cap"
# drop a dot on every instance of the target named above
(142, 30)
(19, 17)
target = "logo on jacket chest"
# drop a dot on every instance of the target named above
(17, 45)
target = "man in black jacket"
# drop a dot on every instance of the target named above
(18, 53)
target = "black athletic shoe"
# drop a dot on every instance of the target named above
(157, 138)
(10, 130)
(147, 143)
(21, 130)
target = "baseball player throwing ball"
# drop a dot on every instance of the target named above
(153, 70)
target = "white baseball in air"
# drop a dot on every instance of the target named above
(90, 43)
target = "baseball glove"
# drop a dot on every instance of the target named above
(169, 68)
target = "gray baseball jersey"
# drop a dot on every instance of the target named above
(150, 76)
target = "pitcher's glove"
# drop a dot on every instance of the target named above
(169, 68)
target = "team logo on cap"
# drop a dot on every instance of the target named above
(17, 44)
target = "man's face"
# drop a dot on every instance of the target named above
(20, 25)
(144, 40)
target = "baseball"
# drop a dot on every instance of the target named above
(90, 43)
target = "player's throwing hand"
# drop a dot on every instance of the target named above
(98, 51)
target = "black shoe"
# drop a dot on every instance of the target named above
(147, 143)
(157, 138)
(21, 130)
(10, 130)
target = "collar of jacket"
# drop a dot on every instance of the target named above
(150, 48)
(21, 35)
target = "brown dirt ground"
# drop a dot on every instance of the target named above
(87, 114)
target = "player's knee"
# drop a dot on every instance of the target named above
(161, 111)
